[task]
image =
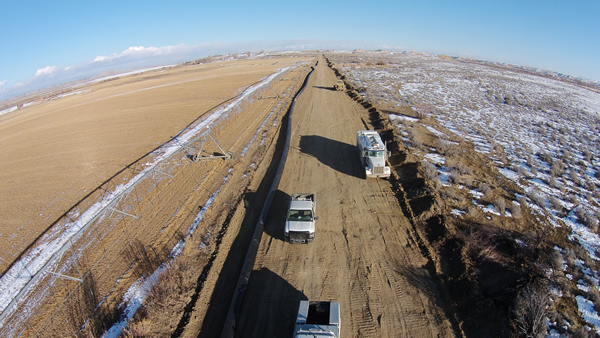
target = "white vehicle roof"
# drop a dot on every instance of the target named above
(301, 205)
(370, 140)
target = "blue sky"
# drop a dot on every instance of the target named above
(45, 43)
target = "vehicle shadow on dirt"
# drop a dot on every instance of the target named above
(339, 156)
(226, 284)
(224, 288)
(274, 226)
(276, 304)
(326, 88)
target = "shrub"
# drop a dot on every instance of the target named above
(571, 257)
(530, 311)
(468, 181)
(573, 174)
(529, 160)
(557, 169)
(545, 157)
(437, 184)
(444, 147)
(423, 110)
(587, 218)
(500, 205)
(429, 170)
(590, 186)
(556, 261)
(463, 169)
(415, 136)
(454, 176)
(593, 294)
(573, 199)
(486, 190)
(555, 203)
(451, 194)
(515, 210)
(472, 211)
(538, 199)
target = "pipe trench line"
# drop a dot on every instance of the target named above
(238, 297)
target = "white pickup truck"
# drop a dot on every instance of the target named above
(318, 319)
(300, 222)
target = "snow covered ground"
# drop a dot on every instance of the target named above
(542, 133)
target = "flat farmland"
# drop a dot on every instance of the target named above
(55, 152)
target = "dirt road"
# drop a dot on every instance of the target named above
(363, 255)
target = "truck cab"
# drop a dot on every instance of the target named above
(317, 319)
(300, 221)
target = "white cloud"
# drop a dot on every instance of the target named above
(138, 52)
(48, 70)
(2, 83)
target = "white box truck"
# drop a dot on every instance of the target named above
(318, 319)
(373, 154)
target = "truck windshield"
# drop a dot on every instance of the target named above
(373, 153)
(300, 215)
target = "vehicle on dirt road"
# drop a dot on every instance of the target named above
(373, 154)
(339, 85)
(318, 319)
(300, 222)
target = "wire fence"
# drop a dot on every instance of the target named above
(130, 224)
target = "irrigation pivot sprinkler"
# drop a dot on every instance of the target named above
(276, 96)
(203, 138)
